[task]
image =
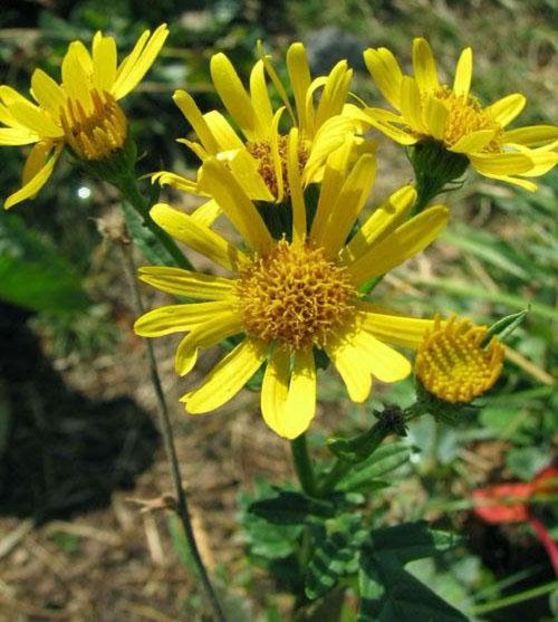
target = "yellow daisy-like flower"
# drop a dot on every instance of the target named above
(257, 154)
(428, 109)
(81, 112)
(453, 364)
(288, 297)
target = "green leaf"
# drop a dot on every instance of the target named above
(365, 476)
(337, 543)
(148, 244)
(504, 327)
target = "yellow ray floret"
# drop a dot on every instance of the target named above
(286, 298)
(454, 364)
(256, 153)
(429, 109)
(81, 112)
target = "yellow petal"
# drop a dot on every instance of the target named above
(463, 73)
(542, 162)
(226, 379)
(388, 123)
(206, 214)
(193, 115)
(329, 137)
(35, 119)
(216, 179)
(134, 67)
(12, 136)
(245, 170)
(233, 95)
(206, 334)
(473, 142)
(411, 104)
(299, 76)
(289, 397)
(383, 219)
(386, 72)
(335, 93)
(514, 181)
(383, 362)
(47, 92)
(260, 96)
(179, 318)
(348, 362)
(435, 116)
(185, 283)
(506, 109)
(531, 135)
(394, 329)
(224, 134)
(348, 205)
(295, 185)
(104, 62)
(77, 69)
(406, 241)
(165, 178)
(201, 239)
(424, 65)
(501, 163)
(42, 160)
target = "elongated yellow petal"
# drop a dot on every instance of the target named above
(206, 214)
(260, 96)
(424, 65)
(165, 178)
(506, 109)
(543, 161)
(206, 334)
(226, 137)
(335, 93)
(104, 62)
(13, 136)
(226, 379)
(276, 156)
(514, 181)
(33, 183)
(411, 104)
(383, 362)
(501, 163)
(435, 116)
(473, 142)
(463, 73)
(406, 241)
(35, 119)
(289, 397)
(186, 283)
(201, 239)
(233, 95)
(347, 360)
(531, 135)
(179, 318)
(137, 64)
(77, 69)
(299, 76)
(266, 59)
(388, 123)
(382, 221)
(394, 329)
(47, 92)
(216, 179)
(349, 204)
(295, 185)
(193, 115)
(245, 170)
(386, 72)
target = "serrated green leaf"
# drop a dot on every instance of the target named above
(366, 475)
(337, 543)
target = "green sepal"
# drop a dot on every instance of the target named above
(446, 412)
(505, 326)
(117, 167)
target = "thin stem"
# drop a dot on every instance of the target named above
(303, 465)
(129, 189)
(170, 448)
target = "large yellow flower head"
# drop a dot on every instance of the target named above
(256, 154)
(81, 112)
(293, 294)
(451, 115)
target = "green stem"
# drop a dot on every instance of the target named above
(129, 188)
(170, 447)
(303, 465)
(513, 599)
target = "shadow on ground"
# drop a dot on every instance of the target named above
(62, 453)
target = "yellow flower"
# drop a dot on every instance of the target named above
(257, 154)
(288, 297)
(453, 364)
(81, 112)
(429, 109)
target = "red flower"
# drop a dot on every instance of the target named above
(518, 503)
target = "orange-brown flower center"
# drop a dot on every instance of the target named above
(269, 164)
(96, 130)
(295, 296)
